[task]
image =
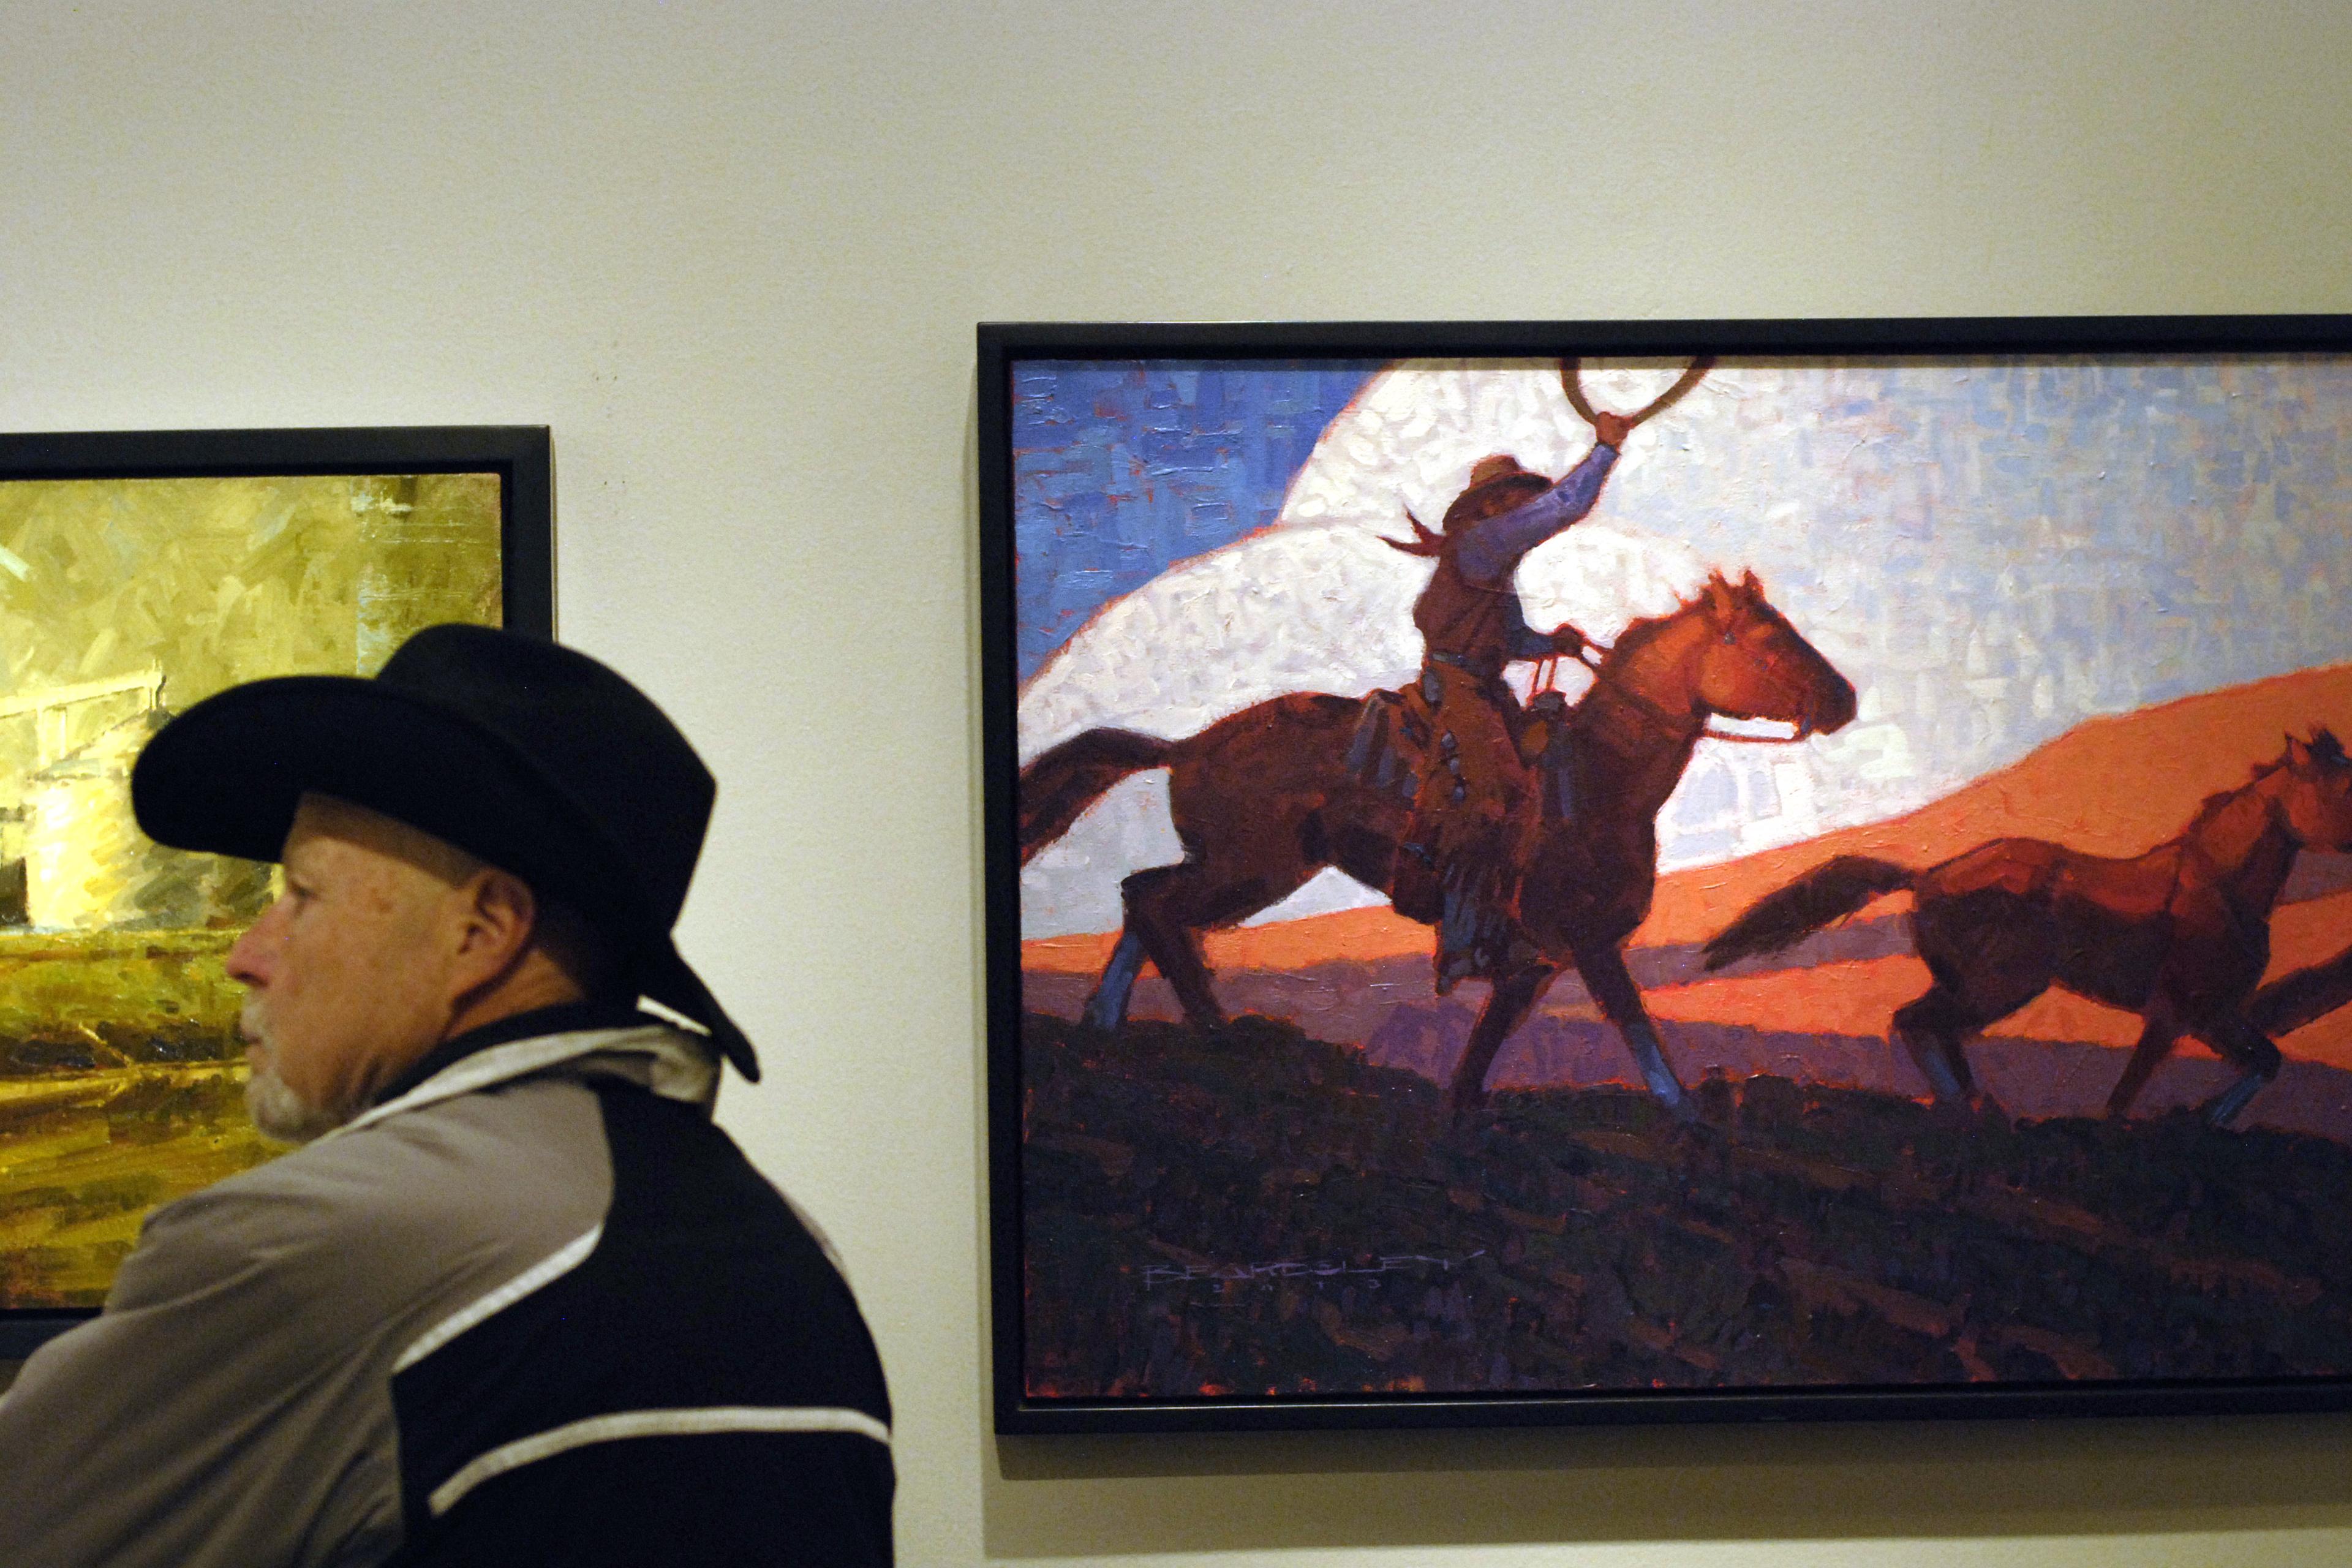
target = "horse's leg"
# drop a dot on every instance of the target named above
(1990, 953)
(1106, 1008)
(1167, 907)
(2156, 1042)
(1933, 1028)
(1611, 984)
(1514, 996)
(2254, 1051)
(1159, 916)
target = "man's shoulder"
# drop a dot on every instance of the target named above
(509, 1172)
(705, 1324)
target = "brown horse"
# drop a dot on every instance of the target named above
(1264, 799)
(2179, 935)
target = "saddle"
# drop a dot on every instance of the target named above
(1391, 752)
(1396, 746)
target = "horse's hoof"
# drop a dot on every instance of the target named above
(1956, 1113)
(1668, 1091)
(2219, 1113)
(2222, 1110)
(1462, 1107)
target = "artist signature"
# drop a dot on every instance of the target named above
(1294, 1268)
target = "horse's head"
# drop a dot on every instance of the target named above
(2316, 792)
(1750, 663)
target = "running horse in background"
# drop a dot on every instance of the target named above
(2179, 935)
(1264, 799)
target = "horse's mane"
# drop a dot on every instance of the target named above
(2325, 749)
(1639, 634)
(2213, 804)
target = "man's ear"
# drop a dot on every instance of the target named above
(499, 915)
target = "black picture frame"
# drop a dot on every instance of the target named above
(1006, 354)
(521, 456)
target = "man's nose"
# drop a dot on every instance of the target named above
(245, 956)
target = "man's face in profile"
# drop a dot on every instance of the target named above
(346, 972)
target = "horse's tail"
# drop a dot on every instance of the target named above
(1063, 782)
(1805, 906)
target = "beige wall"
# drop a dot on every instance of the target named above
(734, 255)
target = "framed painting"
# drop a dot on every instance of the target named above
(1657, 871)
(141, 572)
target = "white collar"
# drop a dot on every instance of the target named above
(669, 1061)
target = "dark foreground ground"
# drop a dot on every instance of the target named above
(1255, 1211)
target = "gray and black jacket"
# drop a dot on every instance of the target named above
(531, 1308)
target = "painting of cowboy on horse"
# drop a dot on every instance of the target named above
(1525, 839)
(1548, 785)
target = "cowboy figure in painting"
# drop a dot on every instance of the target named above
(1476, 791)
(1476, 798)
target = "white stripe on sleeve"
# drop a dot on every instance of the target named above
(652, 1424)
(553, 1266)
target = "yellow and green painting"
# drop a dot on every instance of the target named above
(121, 603)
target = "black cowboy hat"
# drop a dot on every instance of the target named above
(526, 755)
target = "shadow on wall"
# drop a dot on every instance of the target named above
(1090, 1496)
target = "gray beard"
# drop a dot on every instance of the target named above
(278, 1112)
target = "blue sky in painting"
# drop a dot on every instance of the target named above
(1121, 469)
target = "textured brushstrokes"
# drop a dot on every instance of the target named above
(1122, 470)
(122, 601)
(2086, 831)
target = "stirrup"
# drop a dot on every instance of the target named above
(1454, 970)
(1467, 924)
